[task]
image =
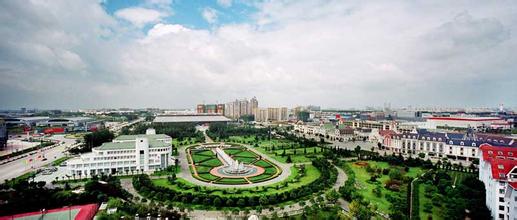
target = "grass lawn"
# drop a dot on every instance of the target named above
(208, 176)
(199, 158)
(203, 169)
(260, 178)
(263, 163)
(366, 187)
(424, 200)
(270, 170)
(214, 162)
(245, 154)
(232, 181)
(205, 153)
(246, 160)
(232, 151)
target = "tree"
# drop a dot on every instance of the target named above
(263, 200)
(241, 202)
(332, 196)
(288, 160)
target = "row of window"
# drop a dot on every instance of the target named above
(114, 157)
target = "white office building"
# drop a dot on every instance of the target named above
(124, 154)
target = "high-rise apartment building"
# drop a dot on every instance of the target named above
(261, 114)
(241, 107)
(277, 114)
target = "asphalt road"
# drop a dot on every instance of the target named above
(21, 166)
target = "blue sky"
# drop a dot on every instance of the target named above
(189, 13)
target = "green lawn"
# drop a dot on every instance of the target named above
(214, 162)
(208, 176)
(245, 154)
(233, 151)
(232, 181)
(203, 169)
(199, 158)
(246, 160)
(263, 163)
(365, 187)
(422, 201)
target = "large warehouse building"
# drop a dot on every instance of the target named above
(190, 118)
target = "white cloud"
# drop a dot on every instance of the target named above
(140, 16)
(224, 3)
(331, 53)
(209, 14)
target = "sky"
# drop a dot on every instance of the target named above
(333, 53)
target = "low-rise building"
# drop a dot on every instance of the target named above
(126, 153)
(457, 146)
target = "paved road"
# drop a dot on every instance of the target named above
(19, 167)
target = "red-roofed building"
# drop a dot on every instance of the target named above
(498, 171)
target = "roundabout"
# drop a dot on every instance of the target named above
(230, 164)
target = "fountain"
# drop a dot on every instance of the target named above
(233, 167)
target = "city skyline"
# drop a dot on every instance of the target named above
(337, 54)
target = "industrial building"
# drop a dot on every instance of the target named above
(190, 118)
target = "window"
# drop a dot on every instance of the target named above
(501, 191)
(499, 153)
(501, 199)
(501, 208)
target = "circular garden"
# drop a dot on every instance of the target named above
(204, 165)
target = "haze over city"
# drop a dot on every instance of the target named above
(337, 54)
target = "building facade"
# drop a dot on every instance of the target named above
(210, 108)
(456, 146)
(498, 171)
(126, 153)
(3, 134)
(241, 107)
(466, 122)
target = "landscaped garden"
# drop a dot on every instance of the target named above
(203, 160)
(446, 194)
(303, 181)
(378, 182)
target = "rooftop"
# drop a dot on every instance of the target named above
(127, 141)
(190, 118)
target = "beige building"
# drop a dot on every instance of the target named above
(261, 115)
(277, 114)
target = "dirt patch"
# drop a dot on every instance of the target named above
(361, 163)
